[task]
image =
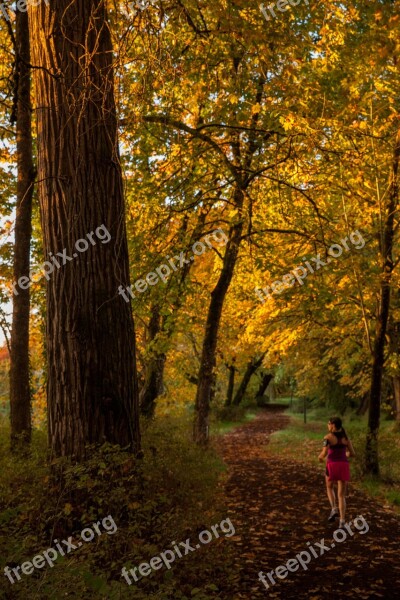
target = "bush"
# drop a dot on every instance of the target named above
(167, 496)
(231, 414)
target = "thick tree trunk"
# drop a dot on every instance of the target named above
(371, 453)
(20, 395)
(265, 381)
(251, 368)
(92, 382)
(231, 385)
(207, 362)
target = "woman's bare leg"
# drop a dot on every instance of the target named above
(342, 489)
(330, 492)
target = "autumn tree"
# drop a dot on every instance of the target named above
(225, 112)
(389, 214)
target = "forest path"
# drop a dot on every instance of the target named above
(277, 506)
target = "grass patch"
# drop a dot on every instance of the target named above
(226, 419)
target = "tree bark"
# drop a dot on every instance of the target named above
(164, 327)
(154, 377)
(363, 406)
(231, 385)
(396, 391)
(20, 394)
(242, 165)
(92, 381)
(153, 385)
(251, 368)
(371, 451)
(207, 363)
(393, 335)
(265, 381)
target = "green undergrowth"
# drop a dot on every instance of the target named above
(305, 440)
(227, 418)
(168, 496)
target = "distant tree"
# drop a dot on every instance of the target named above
(252, 367)
(231, 383)
(264, 383)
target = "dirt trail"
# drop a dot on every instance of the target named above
(277, 506)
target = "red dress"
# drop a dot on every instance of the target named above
(337, 466)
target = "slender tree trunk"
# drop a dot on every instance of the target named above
(20, 395)
(265, 381)
(92, 381)
(363, 406)
(393, 335)
(371, 454)
(251, 368)
(153, 384)
(207, 363)
(231, 384)
(396, 391)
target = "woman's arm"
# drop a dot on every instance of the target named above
(324, 450)
(351, 449)
(323, 454)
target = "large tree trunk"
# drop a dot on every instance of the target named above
(371, 453)
(20, 395)
(92, 381)
(207, 363)
(251, 368)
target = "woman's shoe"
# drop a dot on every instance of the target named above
(334, 515)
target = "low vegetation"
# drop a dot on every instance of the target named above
(170, 495)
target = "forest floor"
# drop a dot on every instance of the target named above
(278, 505)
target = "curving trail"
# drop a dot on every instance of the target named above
(277, 506)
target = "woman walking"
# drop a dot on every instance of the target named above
(338, 448)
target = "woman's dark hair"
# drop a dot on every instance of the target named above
(337, 422)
